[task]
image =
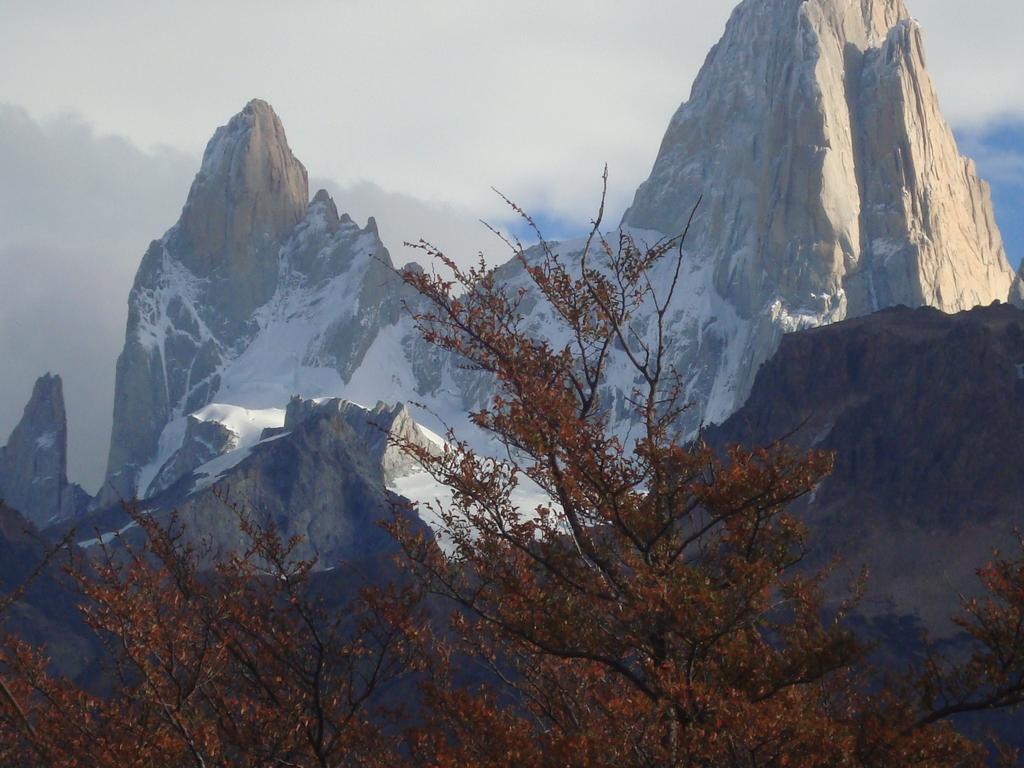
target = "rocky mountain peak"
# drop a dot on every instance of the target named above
(33, 464)
(324, 203)
(249, 194)
(198, 288)
(832, 186)
(46, 404)
(255, 294)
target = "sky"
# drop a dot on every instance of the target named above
(407, 111)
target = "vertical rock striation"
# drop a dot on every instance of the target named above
(832, 185)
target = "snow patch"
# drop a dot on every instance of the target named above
(215, 469)
(107, 537)
(428, 496)
(433, 437)
(246, 424)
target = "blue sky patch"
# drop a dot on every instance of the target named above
(998, 149)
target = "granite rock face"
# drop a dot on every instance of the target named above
(925, 413)
(204, 440)
(377, 430)
(33, 464)
(248, 196)
(321, 475)
(318, 482)
(832, 186)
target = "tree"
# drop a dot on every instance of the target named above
(652, 612)
(238, 666)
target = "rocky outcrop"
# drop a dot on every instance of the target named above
(832, 186)
(1017, 290)
(33, 464)
(204, 440)
(381, 432)
(317, 482)
(925, 413)
(321, 476)
(46, 613)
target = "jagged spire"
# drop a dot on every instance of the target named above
(815, 135)
(249, 251)
(249, 194)
(198, 287)
(832, 185)
(33, 464)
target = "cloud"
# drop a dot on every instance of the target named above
(439, 100)
(76, 213)
(974, 55)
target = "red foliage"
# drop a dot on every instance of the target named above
(651, 613)
(238, 666)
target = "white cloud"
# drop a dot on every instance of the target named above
(975, 57)
(998, 165)
(76, 213)
(437, 100)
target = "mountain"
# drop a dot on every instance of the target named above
(33, 464)
(923, 411)
(197, 287)
(294, 299)
(832, 187)
(254, 295)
